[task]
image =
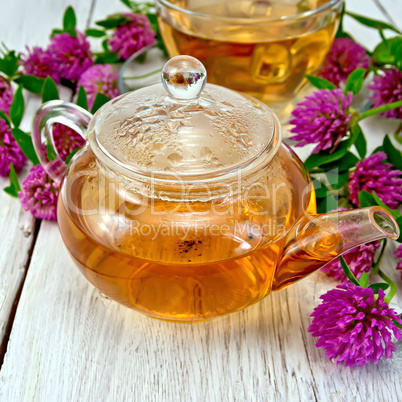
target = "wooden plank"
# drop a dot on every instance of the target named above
(17, 234)
(17, 227)
(70, 343)
(392, 11)
(31, 22)
(17, 231)
(18, 28)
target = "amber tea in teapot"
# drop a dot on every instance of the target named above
(196, 267)
(184, 204)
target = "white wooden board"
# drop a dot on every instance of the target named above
(70, 343)
(16, 234)
(31, 25)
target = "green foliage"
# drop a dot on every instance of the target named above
(394, 156)
(326, 204)
(105, 45)
(397, 323)
(340, 32)
(326, 201)
(377, 286)
(320, 83)
(17, 107)
(25, 142)
(388, 52)
(154, 23)
(321, 190)
(82, 99)
(364, 279)
(55, 32)
(5, 118)
(139, 7)
(348, 272)
(343, 164)
(14, 188)
(336, 166)
(112, 22)
(31, 83)
(355, 132)
(336, 179)
(367, 199)
(107, 58)
(324, 157)
(49, 91)
(95, 33)
(355, 80)
(126, 2)
(69, 21)
(9, 63)
(371, 23)
(99, 101)
(341, 159)
(70, 156)
(51, 154)
(361, 144)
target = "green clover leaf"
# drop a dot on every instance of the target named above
(69, 21)
(24, 140)
(49, 91)
(17, 107)
(320, 83)
(14, 188)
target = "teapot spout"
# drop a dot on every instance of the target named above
(318, 239)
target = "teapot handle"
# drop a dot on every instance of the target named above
(49, 113)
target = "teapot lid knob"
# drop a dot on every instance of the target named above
(184, 77)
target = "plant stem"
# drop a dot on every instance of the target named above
(138, 77)
(390, 282)
(380, 109)
(377, 264)
(399, 129)
(397, 133)
(343, 203)
(5, 48)
(377, 271)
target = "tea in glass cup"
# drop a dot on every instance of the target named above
(260, 47)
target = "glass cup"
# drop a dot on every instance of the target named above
(260, 47)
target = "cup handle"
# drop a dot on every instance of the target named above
(49, 113)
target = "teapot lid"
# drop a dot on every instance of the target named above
(184, 127)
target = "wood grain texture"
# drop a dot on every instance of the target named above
(69, 343)
(391, 10)
(16, 234)
(31, 22)
(16, 225)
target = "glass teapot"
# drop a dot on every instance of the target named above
(185, 205)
